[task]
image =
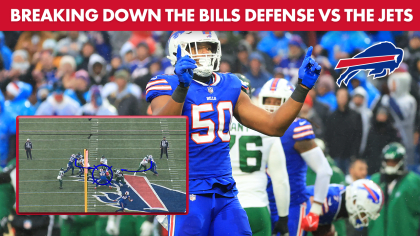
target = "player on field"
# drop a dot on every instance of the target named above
(103, 161)
(210, 100)
(249, 171)
(119, 177)
(360, 202)
(80, 164)
(70, 164)
(122, 201)
(103, 179)
(143, 165)
(301, 151)
(60, 177)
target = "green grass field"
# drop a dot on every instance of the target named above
(123, 141)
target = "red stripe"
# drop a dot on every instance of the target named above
(171, 232)
(145, 191)
(302, 215)
(344, 63)
(274, 84)
(371, 192)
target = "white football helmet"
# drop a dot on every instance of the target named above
(207, 63)
(275, 88)
(127, 193)
(364, 201)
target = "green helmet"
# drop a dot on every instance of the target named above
(62, 169)
(393, 151)
(246, 82)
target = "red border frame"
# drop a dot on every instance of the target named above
(100, 213)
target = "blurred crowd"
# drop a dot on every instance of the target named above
(106, 73)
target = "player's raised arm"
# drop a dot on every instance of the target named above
(275, 124)
(172, 105)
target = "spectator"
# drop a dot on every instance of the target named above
(242, 56)
(342, 44)
(66, 71)
(380, 134)
(97, 70)
(143, 36)
(359, 104)
(98, 106)
(140, 68)
(289, 65)
(413, 50)
(7, 133)
(72, 44)
(78, 87)
(343, 132)
(325, 91)
(226, 64)
(128, 53)
(6, 53)
(400, 214)
(358, 170)
(102, 43)
(58, 104)
(32, 41)
(275, 45)
(257, 74)
(372, 92)
(47, 67)
(321, 109)
(402, 106)
(88, 50)
(17, 94)
(122, 99)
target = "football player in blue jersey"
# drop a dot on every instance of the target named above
(70, 164)
(360, 202)
(122, 201)
(301, 151)
(210, 100)
(103, 180)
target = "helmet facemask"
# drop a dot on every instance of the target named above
(206, 62)
(273, 108)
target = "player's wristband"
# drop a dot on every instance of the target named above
(299, 94)
(180, 94)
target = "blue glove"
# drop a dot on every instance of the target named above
(184, 68)
(309, 70)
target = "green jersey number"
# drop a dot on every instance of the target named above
(244, 154)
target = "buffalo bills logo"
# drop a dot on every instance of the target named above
(377, 59)
(372, 194)
(176, 34)
(208, 33)
(147, 197)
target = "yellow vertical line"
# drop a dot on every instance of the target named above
(85, 175)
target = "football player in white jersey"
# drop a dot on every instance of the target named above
(250, 153)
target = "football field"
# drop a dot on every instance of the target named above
(123, 141)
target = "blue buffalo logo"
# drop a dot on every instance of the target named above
(372, 194)
(378, 59)
(147, 197)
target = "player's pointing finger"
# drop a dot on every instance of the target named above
(309, 52)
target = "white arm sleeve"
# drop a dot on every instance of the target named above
(279, 177)
(316, 160)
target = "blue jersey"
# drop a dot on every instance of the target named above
(299, 130)
(102, 175)
(209, 108)
(71, 160)
(123, 199)
(332, 203)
